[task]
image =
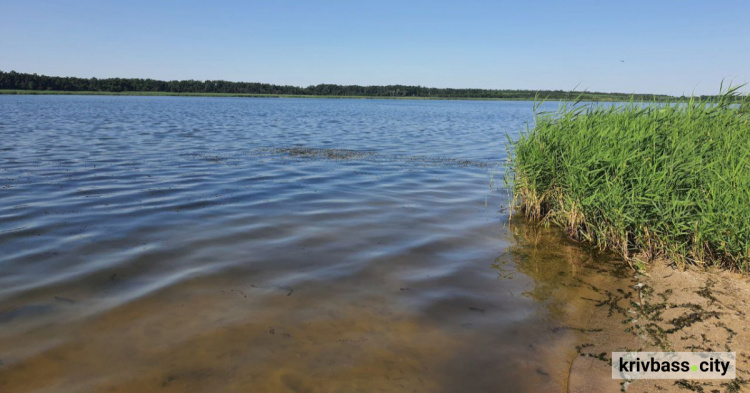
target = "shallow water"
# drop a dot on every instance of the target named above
(222, 244)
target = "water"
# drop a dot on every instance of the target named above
(222, 244)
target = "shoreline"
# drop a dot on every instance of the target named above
(631, 182)
(241, 95)
(665, 310)
(602, 306)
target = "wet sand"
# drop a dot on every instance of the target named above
(675, 310)
(616, 309)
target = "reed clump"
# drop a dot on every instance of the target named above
(645, 180)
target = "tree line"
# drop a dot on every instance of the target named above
(20, 81)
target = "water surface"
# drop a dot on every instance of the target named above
(240, 244)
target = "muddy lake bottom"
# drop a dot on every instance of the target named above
(278, 245)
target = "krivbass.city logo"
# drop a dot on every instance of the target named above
(674, 365)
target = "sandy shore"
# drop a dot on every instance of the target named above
(666, 309)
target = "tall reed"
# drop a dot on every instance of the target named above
(651, 179)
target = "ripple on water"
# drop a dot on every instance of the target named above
(151, 243)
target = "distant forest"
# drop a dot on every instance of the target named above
(19, 81)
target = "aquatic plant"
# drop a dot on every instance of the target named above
(643, 179)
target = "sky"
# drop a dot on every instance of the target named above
(655, 46)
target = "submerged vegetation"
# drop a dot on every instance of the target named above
(21, 83)
(646, 180)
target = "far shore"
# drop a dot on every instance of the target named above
(171, 94)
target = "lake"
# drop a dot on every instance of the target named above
(260, 244)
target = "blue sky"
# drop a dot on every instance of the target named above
(659, 46)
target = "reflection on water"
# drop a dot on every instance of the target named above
(558, 264)
(177, 244)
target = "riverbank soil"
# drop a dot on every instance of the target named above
(666, 309)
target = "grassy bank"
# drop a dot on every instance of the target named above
(644, 180)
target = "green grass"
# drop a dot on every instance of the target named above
(646, 180)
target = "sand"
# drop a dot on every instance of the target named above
(664, 309)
